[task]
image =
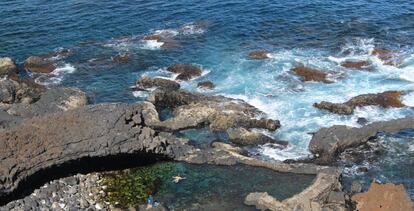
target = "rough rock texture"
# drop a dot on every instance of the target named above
(51, 100)
(39, 64)
(384, 197)
(360, 65)
(259, 54)
(327, 143)
(206, 85)
(221, 114)
(185, 71)
(309, 74)
(21, 91)
(385, 99)
(7, 66)
(145, 83)
(94, 131)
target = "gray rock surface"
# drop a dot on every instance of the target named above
(327, 143)
(93, 131)
(7, 66)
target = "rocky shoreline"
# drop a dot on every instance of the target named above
(50, 133)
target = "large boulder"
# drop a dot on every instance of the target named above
(327, 143)
(39, 64)
(145, 83)
(388, 99)
(7, 66)
(185, 71)
(309, 74)
(20, 91)
(383, 197)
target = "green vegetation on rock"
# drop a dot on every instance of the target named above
(130, 188)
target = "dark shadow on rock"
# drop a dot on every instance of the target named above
(84, 165)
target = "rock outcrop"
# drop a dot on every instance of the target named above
(145, 83)
(385, 55)
(206, 85)
(389, 99)
(309, 74)
(122, 58)
(259, 54)
(7, 67)
(185, 71)
(221, 114)
(93, 131)
(359, 65)
(383, 197)
(39, 64)
(327, 143)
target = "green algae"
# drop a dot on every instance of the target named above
(130, 188)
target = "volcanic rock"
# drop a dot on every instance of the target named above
(360, 65)
(259, 54)
(39, 64)
(385, 99)
(206, 85)
(185, 71)
(122, 58)
(309, 74)
(327, 143)
(146, 83)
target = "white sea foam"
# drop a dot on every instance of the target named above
(56, 76)
(151, 44)
(191, 28)
(167, 32)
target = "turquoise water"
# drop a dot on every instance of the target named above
(217, 36)
(203, 187)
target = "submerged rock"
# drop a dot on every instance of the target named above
(121, 58)
(309, 74)
(360, 65)
(384, 55)
(185, 71)
(388, 99)
(383, 197)
(259, 54)
(206, 85)
(328, 143)
(155, 37)
(39, 64)
(146, 83)
(7, 66)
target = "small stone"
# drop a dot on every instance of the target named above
(336, 197)
(362, 121)
(98, 206)
(205, 85)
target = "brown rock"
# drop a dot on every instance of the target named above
(39, 64)
(385, 55)
(259, 54)
(360, 65)
(155, 37)
(309, 74)
(206, 85)
(122, 58)
(385, 99)
(384, 197)
(185, 71)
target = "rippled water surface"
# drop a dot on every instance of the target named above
(217, 36)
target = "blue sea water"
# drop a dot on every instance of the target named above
(217, 36)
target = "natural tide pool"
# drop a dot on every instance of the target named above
(205, 187)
